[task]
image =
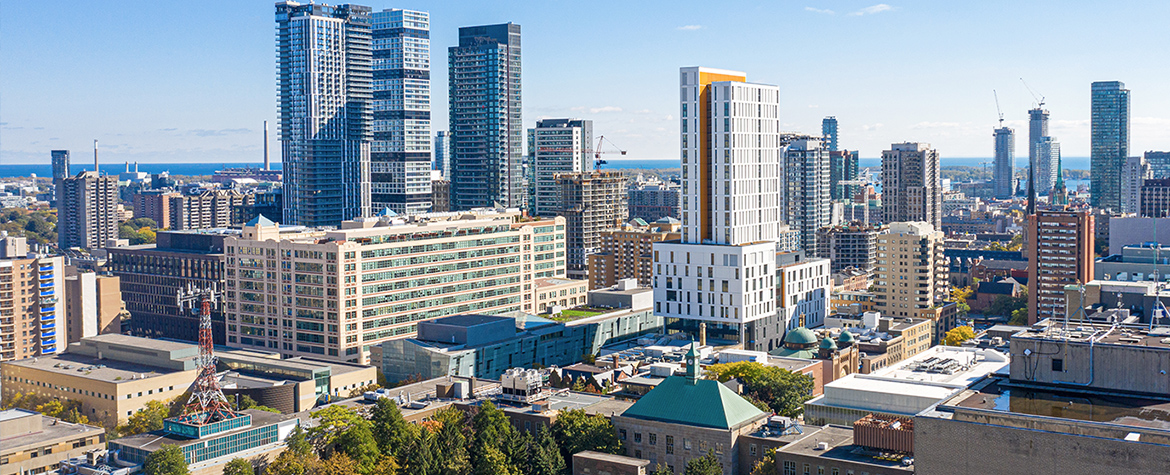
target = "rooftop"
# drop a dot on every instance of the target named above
(105, 370)
(51, 429)
(152, 441)
(840, 447)
(1131, 335)
(1095, 407)
(947, 364)
(703, 403)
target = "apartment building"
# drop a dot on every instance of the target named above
(93, 304)
(803, 291)
(653, 199)
(333, 293)
(589, 202)
(911, 187)
(1060, 252)
(32, 316)
(626, 252)
(852, 246)
(911, 272)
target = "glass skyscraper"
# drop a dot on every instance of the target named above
(1005, 158)
(1110, 143)
(400, 156)
(829, 130)
(487, 136)
(324, 73)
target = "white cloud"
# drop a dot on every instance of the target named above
(813, 106)
(871, 128)
(596, 110)
(936, 125)
(870, 10)
(690, 27)
(820, 10)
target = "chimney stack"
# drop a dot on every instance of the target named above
(266, 145)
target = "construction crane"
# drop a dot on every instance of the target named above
(598, 162)
(997, 109)
(1039, 100)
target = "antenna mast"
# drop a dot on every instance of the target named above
(207, 403)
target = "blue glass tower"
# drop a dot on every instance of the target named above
(1110, 143)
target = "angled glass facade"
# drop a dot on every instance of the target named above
(487, 136)
(1110, 143)
(829, 131)
(1005, 159)
(324, 71)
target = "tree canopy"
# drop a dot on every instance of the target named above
(783, 391)
(168, 460)
(956, 336)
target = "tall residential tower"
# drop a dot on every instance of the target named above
(1110, 143)
(400, 156)
(829, 131)
(325, 74)
(559, 146)
(487, 148)
(911, 188)
(1005, 159)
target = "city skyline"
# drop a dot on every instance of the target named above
(207, 94)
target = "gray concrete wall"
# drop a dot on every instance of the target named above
(1114, 367)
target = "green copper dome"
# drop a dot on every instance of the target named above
(800, 336)
(845, 337)
(828, 344)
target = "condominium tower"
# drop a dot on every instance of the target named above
(829, 131)
(843, 167)
(400, 156)
(1005, 159)
(1060, 253)
(487, 136)
(911, 188)
(325, 74)
(805, 185)
(558, 146)
(443, 154)
(32, 306)
(911, 272)
(590, 203)
(1110, 143)
(87, 206)
(332, 294)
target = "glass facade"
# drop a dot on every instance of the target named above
(207, 448)
(324, 71)
(487, 149)
(401, 151)
(1110, 143)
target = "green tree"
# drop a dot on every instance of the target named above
(451, 442)
(492, 432)
(167, 460)
(784, 391)
(576, 431)
(358, 443)
(546, 456)
(145, 420)
(331, 423)
(238, 466)
(662, 469)
(422, 456)
(337, 464)
(705, 465)
(298, 442)
(956, 336)
(492, 461)
(290, 462)
(393, 433)
(1019, 317)
(766, 465)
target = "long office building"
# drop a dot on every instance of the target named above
(333, 293)
(400, 155)
(722, 272)
(325, 73)
(1110, 143)
(32, 302)
(807, 197)
(590, 203)
(1060, 253)
(1005, 160)
(911, 187)
(487, 135)
(153, 275)
(557, 147)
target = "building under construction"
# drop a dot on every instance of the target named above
(591, 203)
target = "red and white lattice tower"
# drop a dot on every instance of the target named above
(207, 403)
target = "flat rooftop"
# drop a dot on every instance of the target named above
(1095, 407)
(104, 370)
(51, 429)
(840, 441)
(468, 320)
(791, 364)
(1131, 335)
(891, 387)
(947, 364)
(140, 342)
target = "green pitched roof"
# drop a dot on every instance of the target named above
(706, 403)
(260, 220)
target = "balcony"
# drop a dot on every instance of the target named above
(46, 285)
(45, 318)
(48, 326)
(45, 277)
(49, 301)
(48, 309)
(48, 268)
(47, 293)
(48, 334)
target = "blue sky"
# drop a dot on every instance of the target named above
(159, 81)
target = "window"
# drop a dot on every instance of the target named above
(653, 439)
(622, 434)
(1058, 364)
(806, 469)
(637, 454)
(789, 467)
(638, 438)
(752, 450)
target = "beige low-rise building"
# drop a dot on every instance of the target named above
(112, 376)
(563, 293)
(32, 443)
